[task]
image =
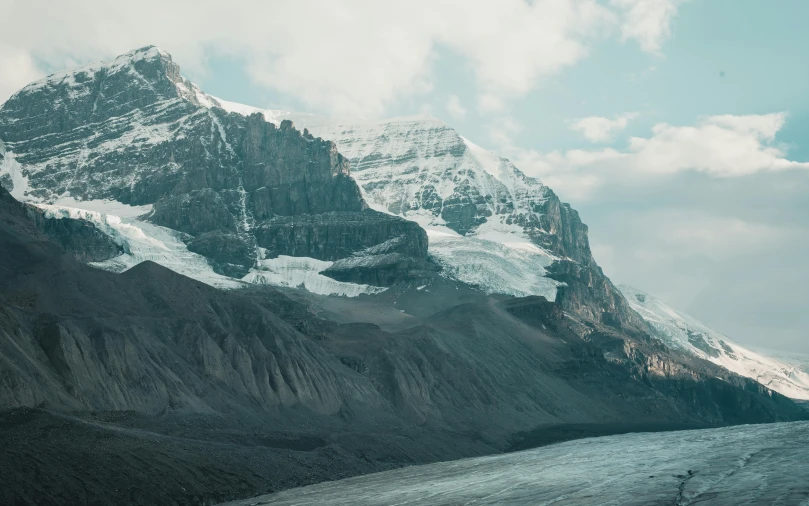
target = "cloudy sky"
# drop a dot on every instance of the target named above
(678, 128)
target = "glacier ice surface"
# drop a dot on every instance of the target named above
(752, 464)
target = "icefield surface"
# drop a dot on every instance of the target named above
(752, 464)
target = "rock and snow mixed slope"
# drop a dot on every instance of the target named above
(680, 331)
(486, 221)
(483, 216)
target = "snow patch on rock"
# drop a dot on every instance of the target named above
(11, 174)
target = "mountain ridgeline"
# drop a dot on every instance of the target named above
(243, 188)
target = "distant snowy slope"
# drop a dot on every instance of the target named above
(680, 331)
(799, 360)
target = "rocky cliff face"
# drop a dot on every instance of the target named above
(135, 131)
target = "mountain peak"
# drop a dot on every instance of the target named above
(86, 72)
(131, 83)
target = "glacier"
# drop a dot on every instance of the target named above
(140, 240)
(750, 464)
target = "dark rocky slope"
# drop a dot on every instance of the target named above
(199, 377)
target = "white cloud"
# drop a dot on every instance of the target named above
(342, 56)
(600, 129)
(720, 146)
(656, 237)
(647, 21)
(454, 107)
(682, 248)
(18, 70)
(489, 103)
(502, 131)
(677, 232)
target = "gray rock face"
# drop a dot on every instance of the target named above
(336, 235)
(384, 264)
(135, 131)
(229, 253)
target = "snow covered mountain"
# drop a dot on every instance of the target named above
(486, 220)
(228, 197)
(489, 225)
(484, 217)
(241, 189)
(680, 331)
